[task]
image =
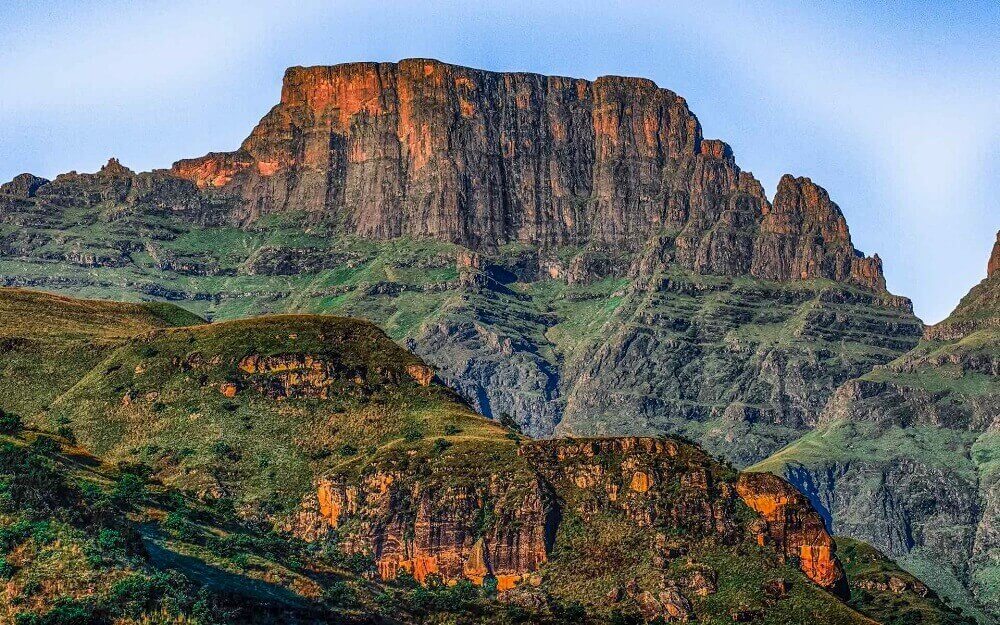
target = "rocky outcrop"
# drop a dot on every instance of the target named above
(617, 168)
(423, 148)
(804, 235)
(794, 526)
(23, 185)
(284, 376)
(294, 375)
(507, 524)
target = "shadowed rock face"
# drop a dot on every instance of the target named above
(993, 267)
(23, 185)
(480, 158)
(904, 457)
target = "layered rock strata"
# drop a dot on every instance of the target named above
(478, 158)
(505, 526)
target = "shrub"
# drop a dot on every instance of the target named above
(45, 446)
(241, 560)
(63, 612)
(440, 445)
(43, 533)
(508, 422)
(452, 429)
(348, 450)
(30, 484)
(133, 595)
(358, 563)
(517, 614)
(129, 490)
(569, 612)
(224, 450)
(66, 432)
(139, 469)
(10, 423)
(6, 569)
(413, 430)
(180, 526)
(338, 594)
(111, 540)
(13, 535)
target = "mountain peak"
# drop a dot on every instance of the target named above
(23, 185)
(114, 168)
(978, 310)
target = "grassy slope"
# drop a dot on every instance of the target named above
(81, 537)
(158, 400)
(49, 342)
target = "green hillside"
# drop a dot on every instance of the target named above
(907, 456)
(174, 479)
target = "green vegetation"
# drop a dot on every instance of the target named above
(887, 593)
(189, 424)
(48, 343)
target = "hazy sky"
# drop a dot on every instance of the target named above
(894, 109)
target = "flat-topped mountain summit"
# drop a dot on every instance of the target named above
(483, 159)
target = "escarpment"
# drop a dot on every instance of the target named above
(481, 159)
(508, 525)
(572, 255)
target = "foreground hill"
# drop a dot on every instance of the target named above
(571, 253)
(906, 456)
(47, 343)
(374, 476)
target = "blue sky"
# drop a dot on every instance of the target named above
(894, 107)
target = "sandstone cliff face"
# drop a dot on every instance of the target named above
(793, 525)
(473, 529)
(481, 159)
(506, 525)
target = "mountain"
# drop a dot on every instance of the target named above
(303, 468)
(905, 457)
(574, 255)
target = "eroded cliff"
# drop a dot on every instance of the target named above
(540, 519)
(479, 158)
